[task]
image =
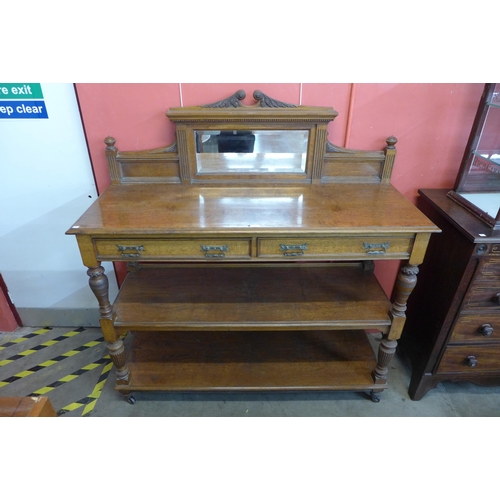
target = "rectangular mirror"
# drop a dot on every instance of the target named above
(251, 151)
(252, 209)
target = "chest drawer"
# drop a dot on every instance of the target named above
(489, 269)
(145, 249)
(477, 328)
(337, 247)
(471, 359)
(483, 296)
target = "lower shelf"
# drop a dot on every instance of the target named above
(231, 297)
(251, 361)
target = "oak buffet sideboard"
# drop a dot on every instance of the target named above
(250, 245)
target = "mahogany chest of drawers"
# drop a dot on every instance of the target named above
(456, 334)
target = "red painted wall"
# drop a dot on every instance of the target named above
(431, 121)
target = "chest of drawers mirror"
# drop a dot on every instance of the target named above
(477, 187)
(250, 245)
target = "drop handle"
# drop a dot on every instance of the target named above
(299, 249)
(220, 250)
(471, 361)
(131, 251)
(486, 330)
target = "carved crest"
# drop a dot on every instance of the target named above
(267, 102)
(264, 101)
(231, 102)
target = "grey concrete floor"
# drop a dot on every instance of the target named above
(80, 382)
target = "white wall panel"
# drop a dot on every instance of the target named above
(46, 183)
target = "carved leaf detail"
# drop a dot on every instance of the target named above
(233, 101)
(268, 102)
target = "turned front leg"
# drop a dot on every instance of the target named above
(386, 351)
(99, 285)
(407, 279)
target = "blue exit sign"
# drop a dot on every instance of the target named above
(22, 100)
(23, 109)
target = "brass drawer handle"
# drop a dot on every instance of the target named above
(486, 330)
(286, 249)
(471, 361)
(376, 248)
(126, 249)
(214, 248)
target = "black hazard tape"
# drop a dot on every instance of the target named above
(41, 346)
(50, 362)
(70, 377)
(90, 401)
(24, 338)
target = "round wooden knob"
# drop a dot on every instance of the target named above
(471, 361)
(485, 329)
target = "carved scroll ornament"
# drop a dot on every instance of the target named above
(264, 101)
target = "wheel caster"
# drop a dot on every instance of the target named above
(131, 400)
(375, 396)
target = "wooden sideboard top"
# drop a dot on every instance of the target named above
(183, 209)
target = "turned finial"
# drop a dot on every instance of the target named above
(110, 143)
(391, 142)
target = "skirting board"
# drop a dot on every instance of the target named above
(59, 317)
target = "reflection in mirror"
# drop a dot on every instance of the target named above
(252, 152)
(235, 209)
(489, 203)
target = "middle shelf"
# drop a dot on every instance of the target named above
(288, 296)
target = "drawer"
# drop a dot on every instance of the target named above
(483, 296)
(476, 329)
(165, 249)
(489, 269)
(470, 359)
(338, 247)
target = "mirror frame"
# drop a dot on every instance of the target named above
(266, 114)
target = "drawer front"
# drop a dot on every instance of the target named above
(339, 247)
(489, 269)
(477, 328)
(483, 296)
(151, 249)
(470, 359)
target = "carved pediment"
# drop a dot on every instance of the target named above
(263, 100)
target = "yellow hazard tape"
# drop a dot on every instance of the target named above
(24, 338)
(39, 347)
(96, 393)
(50, 362)
(89, 401)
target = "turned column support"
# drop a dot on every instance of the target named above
(99, 285)
(119, 357)
(407, 279)
(386, 351)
